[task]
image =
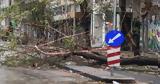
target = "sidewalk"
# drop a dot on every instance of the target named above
(100, 74)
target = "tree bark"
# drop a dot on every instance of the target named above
(141, 60)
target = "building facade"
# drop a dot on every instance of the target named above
(146, 12)
(71, 18)
(4, 4)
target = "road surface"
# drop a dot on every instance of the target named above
(151, 79)
(29, 76)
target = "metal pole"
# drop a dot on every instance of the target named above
(114, 27)
(92, 22)
(103, 30)
(93, 16)
(114, 14)
(143, 42)
(118, 22)
(118, 16)
(74, 20)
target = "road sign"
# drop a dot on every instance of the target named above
(114, 38)
(115, 82)
(113, 56)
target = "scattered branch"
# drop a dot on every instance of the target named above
(61, 39)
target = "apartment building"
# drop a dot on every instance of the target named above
(81, 18)
(71, 18)
(65, 9)
(4, 4)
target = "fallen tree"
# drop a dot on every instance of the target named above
(140, 60)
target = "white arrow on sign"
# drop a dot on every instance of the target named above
(115, 82)
(112, 40)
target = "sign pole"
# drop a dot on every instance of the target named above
(114, 27)
(111, 71)
(114, 14)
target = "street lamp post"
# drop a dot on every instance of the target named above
(114, 14)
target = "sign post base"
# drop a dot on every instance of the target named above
(111, 71)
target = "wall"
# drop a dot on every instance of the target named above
(4, 4)
(154, 36)
(152, 25)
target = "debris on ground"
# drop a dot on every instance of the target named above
(29, 57)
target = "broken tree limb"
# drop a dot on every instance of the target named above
(85, 53)
(141, 60)
(61, 39)
(51, 54)
(90, 55)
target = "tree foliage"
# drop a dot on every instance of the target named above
(30, 11)
(39, 11)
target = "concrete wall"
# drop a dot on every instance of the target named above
(4, 4)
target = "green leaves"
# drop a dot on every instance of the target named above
(79, 1)
(69, 43)
(30, 11)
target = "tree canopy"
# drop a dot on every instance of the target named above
(28, 11)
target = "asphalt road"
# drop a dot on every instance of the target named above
(118, 74)
(151, 79)
(28, 76)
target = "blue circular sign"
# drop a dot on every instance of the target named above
(114, 38)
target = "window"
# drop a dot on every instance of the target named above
(72, 8)
(69, 8)
(78, 9)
